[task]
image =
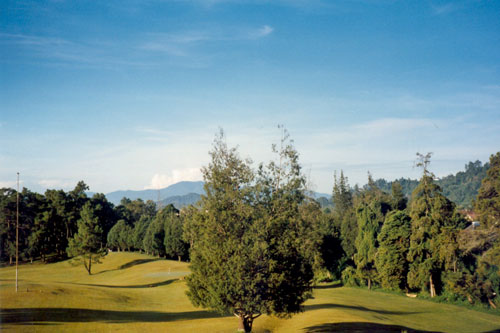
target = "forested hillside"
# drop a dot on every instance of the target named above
(461, 188)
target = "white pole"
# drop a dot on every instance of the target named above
(17, 231)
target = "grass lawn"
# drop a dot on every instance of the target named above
(130, 292)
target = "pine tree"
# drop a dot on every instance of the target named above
(87, 241)
(394, 241)
(430, 212)
(366, 243)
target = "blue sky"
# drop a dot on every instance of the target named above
(129, 94)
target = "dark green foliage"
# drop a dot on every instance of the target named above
(430, 212)
(366, 243)
(87, 241)
(349, 232)
(131, 211)
(330, 248)
(154, 241)
(175, 246)
(139, 232)
(394, 241)
(344, 215)
(487, 204)
(399, 200)
(7, 223)
(121, 236)
(478, 278)
(460, 188)
(104, 210)
(341, 196)
(248, 254)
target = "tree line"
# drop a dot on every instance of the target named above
(425, 245)
(57, 225)
(257, 242)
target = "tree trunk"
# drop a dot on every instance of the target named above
(90, 264)
(369, 284)
(431, 287)
(245, 324)
(179, 258)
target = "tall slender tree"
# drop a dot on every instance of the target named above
(430, 212)
(394, 241)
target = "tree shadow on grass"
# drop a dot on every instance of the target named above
(353, 307)
(137, 286)
(137, 262)
(129, 264)
(360, 327)
(328, 286)
(53, 316)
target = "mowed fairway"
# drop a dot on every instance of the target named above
(130, 292)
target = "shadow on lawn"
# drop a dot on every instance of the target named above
(360, 327)
(54, 316)
(328, 286)
(136, 286)
(352, 307)
(129, 264)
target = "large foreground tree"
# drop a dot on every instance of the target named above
(247, 256)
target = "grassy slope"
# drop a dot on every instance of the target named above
(133, 292)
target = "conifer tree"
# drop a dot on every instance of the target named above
(399, 200)
(87, 241)
(394, 241)
(174, 244)
(430, 212)
(366, 244)
(344, 214)
(487, 203)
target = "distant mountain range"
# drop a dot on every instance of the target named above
(461, 188)
(180, 194)
(184, 188)
(180, 201)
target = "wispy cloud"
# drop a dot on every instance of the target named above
(262, 32)
(184, 43)
(446, 8)
(55, 50)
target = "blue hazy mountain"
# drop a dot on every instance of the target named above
(178, 189)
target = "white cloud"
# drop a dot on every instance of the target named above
(261, 32)
(11, 184)
(160, 181)
(54, 183)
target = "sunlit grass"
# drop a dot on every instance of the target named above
(135, 292)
